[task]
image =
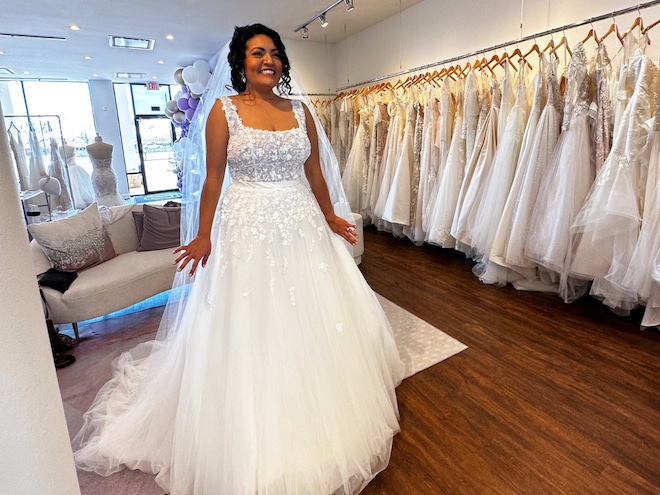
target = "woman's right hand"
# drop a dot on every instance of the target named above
(198, 250)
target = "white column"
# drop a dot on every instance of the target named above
(35, 452)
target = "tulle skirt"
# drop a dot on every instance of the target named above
(280, 376)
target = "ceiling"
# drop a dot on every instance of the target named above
(199, 27)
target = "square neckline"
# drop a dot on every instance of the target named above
(240, 120)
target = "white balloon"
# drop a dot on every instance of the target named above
(204, 78)
(202, 66)
(179, 117)
(197, 88)
(178, 96)
(196, 95)
(190, 75)
(176, 146)
(172, 107)
(182, 142)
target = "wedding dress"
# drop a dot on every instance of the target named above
(354, 177)
(279, 378)
(18, 150)
(81, 184)
(104, 181)
(566, 183)
(606, 228)
(56, 169)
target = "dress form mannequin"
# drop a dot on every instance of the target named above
(104, 178)
(81, 182)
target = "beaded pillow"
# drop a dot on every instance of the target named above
(75, 243)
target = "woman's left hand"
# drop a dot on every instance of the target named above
(343, 229)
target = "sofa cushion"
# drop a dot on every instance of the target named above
(158, 227)
(120, 226)
(76, 242)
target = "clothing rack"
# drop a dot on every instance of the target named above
(46, 145)
(530, 37)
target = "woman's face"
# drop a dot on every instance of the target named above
(263, 66)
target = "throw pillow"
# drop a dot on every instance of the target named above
(160, 227)
(75, 243)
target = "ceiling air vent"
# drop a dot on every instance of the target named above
(4, 71)
(134, 43)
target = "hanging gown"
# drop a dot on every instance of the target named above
(442, 205)
(429, 159)
(354, 177)
(36, 167)
(104, 181)
(414, 230)
(497, 186)
(638, 279)
(380, 124)
(18, 150)
(56, 169)
(533, 169)
(606, 228)
(539, 98)
(476, 171)
(566, 183)
(603, 125)
(280, 375)
(81, 184)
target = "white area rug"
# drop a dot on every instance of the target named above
(420, 344)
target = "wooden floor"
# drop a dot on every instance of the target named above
(549, 398)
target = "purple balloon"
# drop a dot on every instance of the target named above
(193, 102)
(183, 104)
(185, 89)
(189, 113)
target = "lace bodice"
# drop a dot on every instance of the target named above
(258, 155)
(101, 164)
(577, 96)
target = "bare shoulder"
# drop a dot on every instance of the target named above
(217, 115)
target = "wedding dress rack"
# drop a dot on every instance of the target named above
(43, 124)
(499, 46)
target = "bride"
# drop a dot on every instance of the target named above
(275, 372)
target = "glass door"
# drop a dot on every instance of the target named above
(155, 137)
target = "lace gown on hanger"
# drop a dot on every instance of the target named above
(279, 377)
(606, 228)
(566, 183)
(354, 177)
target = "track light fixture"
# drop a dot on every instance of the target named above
(304, 34)
(321, 16)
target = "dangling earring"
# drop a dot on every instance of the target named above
(242, 77)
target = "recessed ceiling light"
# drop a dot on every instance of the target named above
(136, 43)
(1, 52)
(161, 62)
(154, 77)
(74, 27)
(87, 57)
(169, 36)
(95, 75)
(26, 72)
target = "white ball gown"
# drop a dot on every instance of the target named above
(279, 377)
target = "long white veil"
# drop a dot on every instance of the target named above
(194, 174)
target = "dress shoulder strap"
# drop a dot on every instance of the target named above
(299, 112)
(231, 114)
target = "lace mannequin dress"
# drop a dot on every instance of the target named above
(104, 181)
(280, 375)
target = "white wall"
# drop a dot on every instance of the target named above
(436, 30)
(314, 63)
(35, 453)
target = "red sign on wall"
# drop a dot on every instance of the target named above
(153, 86)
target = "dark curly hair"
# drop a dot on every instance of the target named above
(236, 56)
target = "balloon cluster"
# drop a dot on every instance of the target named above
(181, 110)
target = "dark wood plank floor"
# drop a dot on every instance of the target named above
(549, 398)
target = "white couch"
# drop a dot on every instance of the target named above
(127, 279)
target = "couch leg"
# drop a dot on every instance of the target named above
(75, 331)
